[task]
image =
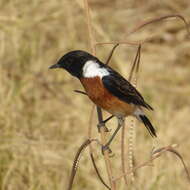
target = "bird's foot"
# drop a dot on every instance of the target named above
(102, 125)
(107, 148)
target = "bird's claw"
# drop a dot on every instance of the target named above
(102, 125)
(107, 148)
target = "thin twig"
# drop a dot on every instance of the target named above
(135, 67)
(106, 152)
(123, 42)
(138, 27)
(183, 162)
(123, 158)
(89, 24)
(156, 154)
(111, 54)
(97, 172)
(91, 151)
(133, 75)
(135, 63)
(75, 166)
(90, 125)
(76, 162)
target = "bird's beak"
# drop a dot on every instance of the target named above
(54, 66)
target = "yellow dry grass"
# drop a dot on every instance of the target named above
(43, 122)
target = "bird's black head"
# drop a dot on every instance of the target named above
(73, 62)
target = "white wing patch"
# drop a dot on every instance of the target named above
(93, 69)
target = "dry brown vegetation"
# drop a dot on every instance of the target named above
(43, 122)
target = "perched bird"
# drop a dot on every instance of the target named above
(106, 87)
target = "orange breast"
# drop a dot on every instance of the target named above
(101, 97)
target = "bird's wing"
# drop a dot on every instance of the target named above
(121, 88)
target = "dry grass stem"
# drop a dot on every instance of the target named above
(156, 154)
(106, 152)
(97, 172)
(100, 119)
(130, 43)
(157, 19)
(135, 65)
(78, 155)
(111, 54)
(123, 157)
(89, 25)
(76, 162)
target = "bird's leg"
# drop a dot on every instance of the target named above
(121, 121)
(102, 124)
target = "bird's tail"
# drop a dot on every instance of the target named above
(148, 125)
(140, 116)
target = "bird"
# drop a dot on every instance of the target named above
(106, 88)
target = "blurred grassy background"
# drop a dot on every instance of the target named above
(43, 122)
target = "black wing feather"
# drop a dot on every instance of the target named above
(120, 87)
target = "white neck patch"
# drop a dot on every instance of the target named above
(93, 69)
